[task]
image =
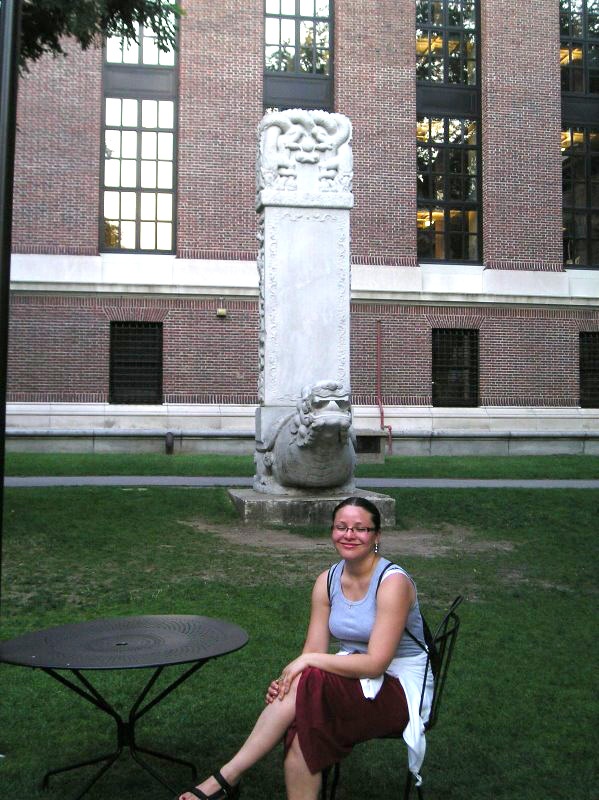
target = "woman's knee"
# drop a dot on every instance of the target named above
(313, 674)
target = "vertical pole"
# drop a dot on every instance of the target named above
(10, 31)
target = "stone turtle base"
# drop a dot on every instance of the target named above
(316, 509)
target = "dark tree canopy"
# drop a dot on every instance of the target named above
(46, 23)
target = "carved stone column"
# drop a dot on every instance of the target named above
(304, 175)
(304, 437)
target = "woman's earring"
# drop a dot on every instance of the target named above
(376, 548)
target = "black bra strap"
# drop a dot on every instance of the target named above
(415, 639)
(330, 579)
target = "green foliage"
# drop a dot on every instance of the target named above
(46, 23)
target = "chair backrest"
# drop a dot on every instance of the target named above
(443, 642)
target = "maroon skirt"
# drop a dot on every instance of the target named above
(332, 715)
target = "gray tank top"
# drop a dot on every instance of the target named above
(351, 621)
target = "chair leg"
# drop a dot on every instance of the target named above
(324, 784)
(336, 772)
(408, 788)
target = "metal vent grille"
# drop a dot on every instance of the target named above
(589, 370)
(135, 362)
(455, 367)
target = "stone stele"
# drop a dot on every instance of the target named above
(304, 435)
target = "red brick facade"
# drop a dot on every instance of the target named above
(57, 160)
(521, 119)
(220, 105)
(59, 346)
(375, 87)
(526, 355)
(206, 359)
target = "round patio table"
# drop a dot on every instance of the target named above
(149, 641)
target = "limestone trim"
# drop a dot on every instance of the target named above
(427, 283)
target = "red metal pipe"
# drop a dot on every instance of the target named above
(379, 381)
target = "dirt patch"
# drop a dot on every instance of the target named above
(415, 541)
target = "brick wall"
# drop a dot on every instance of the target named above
(521, 121)
(528, 357)
(220, 77)
(57, 158)
(375, 86)
(59, 350)
(220, 91)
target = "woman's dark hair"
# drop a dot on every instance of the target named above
(361, 502)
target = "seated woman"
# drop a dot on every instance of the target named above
(323, 704)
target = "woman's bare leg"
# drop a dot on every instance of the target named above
(267, 732)
(301, 784)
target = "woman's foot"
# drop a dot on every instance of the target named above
(216, 787)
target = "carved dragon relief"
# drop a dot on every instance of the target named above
(291, 139)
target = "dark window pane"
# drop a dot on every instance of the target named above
(136, 362)
(447, 176)
(580, 181)
(589, 370)
(455, 367)
(436, 13)
(446, 42)
(298, 64)
(421, 11)
(579, 32)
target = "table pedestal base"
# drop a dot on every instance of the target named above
(110, 759)
(125, 729)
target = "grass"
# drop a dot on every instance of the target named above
(519, 717)
(40, 464)
(525, 467)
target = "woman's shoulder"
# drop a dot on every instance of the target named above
(398, 575)
(385, 568)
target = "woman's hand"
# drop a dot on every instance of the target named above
(290, 673)
(272, 692)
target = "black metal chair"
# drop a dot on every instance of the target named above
(439, 658)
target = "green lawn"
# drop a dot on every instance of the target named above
(37, 464)
(519, 716)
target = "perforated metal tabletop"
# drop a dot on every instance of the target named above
(125, 643)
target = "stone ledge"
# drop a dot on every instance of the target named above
(258, 508)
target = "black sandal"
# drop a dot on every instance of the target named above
(226, 792)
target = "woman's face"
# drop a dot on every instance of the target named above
(353, 532)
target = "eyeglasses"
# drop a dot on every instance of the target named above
(342, 528)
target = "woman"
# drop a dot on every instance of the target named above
(321, 705)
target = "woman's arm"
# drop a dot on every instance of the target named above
(318, 636)
(394, 599)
